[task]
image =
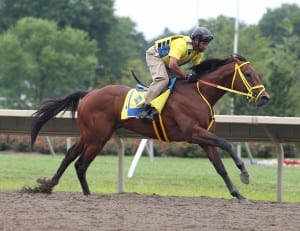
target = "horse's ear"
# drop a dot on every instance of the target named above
(236, 56)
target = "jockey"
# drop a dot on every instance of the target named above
(165, 58)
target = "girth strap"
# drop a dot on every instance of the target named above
(159, 128)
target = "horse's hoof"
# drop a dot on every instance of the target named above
(244, 178)
(43, 180)
(244, 201)
(45, 185)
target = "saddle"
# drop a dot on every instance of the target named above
(136, 97)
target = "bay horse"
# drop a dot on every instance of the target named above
(187, 116)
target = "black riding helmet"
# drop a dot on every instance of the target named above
(202, 34)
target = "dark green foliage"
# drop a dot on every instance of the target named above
(117, 40)
(34, 69)
(281, 22)
(50, 62)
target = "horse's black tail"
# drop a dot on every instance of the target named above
(50, 108)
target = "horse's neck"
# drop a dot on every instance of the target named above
(222, 77)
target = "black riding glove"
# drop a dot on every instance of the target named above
(192, 78)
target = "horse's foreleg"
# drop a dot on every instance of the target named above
(215, 159)
(244, 176)
(205, 138)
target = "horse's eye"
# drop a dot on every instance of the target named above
(248, 75)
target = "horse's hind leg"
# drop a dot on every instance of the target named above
(82, 164)
(46, 185)
(215, 158)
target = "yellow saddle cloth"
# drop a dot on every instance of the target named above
(136, 97)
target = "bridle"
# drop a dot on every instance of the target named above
(251, 96)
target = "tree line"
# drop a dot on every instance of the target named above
(51, 48)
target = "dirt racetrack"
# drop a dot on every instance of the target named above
(131, 211)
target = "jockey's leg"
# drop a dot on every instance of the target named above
(160, 80)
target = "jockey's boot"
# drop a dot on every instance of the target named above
(147, 112)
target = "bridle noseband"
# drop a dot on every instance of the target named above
(250, 95)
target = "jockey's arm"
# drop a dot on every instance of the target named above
(173, 65)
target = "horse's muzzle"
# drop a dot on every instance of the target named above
(263, 99)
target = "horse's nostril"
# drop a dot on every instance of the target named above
(265, 98)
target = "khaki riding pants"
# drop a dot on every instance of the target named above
(160, 74)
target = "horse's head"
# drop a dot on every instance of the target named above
(245, 79)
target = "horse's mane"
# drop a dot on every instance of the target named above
(212, 64)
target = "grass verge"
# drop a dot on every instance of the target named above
(163, 176)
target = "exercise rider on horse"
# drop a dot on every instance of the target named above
(165, 58)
